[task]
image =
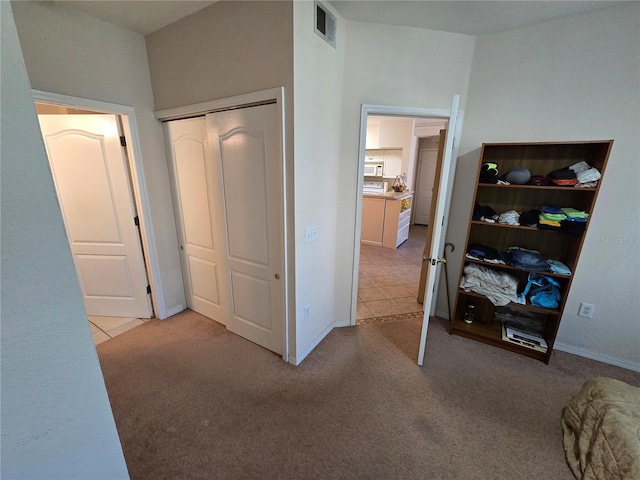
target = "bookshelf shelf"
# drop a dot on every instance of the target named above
(539, 159)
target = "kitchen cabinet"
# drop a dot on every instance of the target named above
(392, 163)
(397, 220)
(372, 220)
(475, 316)
(390, 158)
(386, 219)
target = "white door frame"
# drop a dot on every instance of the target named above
(139, 189)
(365, 111)
(247, 100)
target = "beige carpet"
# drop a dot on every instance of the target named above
(192, 401)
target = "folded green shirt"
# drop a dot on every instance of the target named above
(573, 213)
(554, 217)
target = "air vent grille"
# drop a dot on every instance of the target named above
(325, 24)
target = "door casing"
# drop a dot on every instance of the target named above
(139, 190)
(365, 111)
(253, 99)
(99, 217)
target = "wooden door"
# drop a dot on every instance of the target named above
(247, 156)
(427, 165)
(437, 223)
(202, 250)
(432, 207)
(92, 181)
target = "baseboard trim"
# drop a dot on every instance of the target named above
(345, 323)
(316, 342)
(618, 362)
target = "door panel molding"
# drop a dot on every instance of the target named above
(140, 197)
(262, 97)
(93, 186)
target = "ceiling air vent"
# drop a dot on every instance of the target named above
(325, 24)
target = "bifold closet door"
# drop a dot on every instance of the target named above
(201, 246)
(229, 202)
(246, 147)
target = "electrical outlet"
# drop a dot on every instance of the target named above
(311, 234)
(586, 310)
(307, 311)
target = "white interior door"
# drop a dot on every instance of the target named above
(202, 249)
(246, 150)
(437, 223)
(424, 187)
(94, 190)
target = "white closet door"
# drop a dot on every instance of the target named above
(246, 150)
(201, 240)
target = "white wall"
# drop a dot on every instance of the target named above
(56, 418)
(318, 73)
(396, 66)
(70, 53)
(576, 78)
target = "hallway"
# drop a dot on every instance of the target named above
(105, 328)
(388, 282)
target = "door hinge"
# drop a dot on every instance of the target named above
(123, 141)
(148, 288)
(136, 220)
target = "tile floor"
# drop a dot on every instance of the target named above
(388, 281)
(105, 328)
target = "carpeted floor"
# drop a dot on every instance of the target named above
(192, 401)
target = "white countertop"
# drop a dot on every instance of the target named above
(390, 195)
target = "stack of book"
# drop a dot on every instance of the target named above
(524, 338)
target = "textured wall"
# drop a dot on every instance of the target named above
(56, 419)
(70, 53)
(576, 78)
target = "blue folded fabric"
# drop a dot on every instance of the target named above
(527, 259)
(558, 267)
(550, 209)
(546, 291)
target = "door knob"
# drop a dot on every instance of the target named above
(277, 276)
(433, 261)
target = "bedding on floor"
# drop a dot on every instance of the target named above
(601, 427)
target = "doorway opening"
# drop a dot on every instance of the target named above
(404, 149)
(93, 175)
(391, 216)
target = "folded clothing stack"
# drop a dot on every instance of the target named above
(484, 213)
(563, 177)
(499, 287)
(509, 218)
(526, 259)
(580, 174)
(585, 173)
(477, 251)
(564, 220)
(574, 215)
(517, 257)
(551, 216)
(530, 218)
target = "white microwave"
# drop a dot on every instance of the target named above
(373, 169)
